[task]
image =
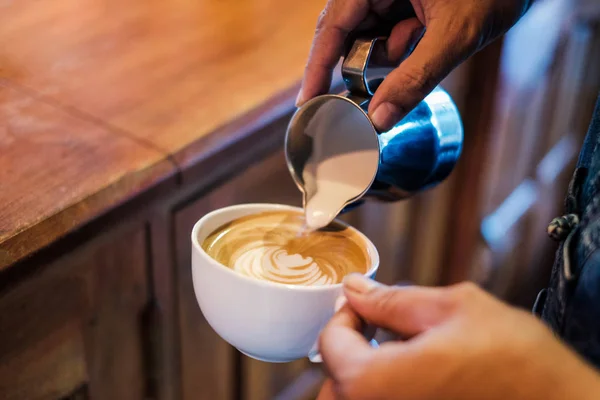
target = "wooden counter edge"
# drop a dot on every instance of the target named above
(148, 181)
(206, 161)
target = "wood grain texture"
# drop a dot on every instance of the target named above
(162, 318)
(167, 73)
(113, 336)
(77, 321)
(48, 369)
(58, 171)
(100, 95)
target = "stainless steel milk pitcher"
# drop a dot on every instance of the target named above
(419, 152)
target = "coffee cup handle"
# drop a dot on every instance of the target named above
(314, 355)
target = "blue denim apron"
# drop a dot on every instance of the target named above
(571, 303)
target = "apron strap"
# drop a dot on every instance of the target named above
(591, 139)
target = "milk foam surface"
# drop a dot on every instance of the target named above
(271, 246)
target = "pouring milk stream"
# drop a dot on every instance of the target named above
(341, 166)
(336, 156)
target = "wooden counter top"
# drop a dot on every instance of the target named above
(101, 100)
(58, 171)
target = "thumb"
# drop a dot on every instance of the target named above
(407, 311)
(327, 391)
(438, 52)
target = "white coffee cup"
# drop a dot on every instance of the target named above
(267, 321)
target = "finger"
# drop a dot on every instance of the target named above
(368, 331)
(407, 311)
(403, 38)
(440, 50)
(336, 21)
(327, 391)
(342, 344)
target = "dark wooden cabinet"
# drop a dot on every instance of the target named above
(78, 321)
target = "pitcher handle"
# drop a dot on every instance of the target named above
(366, 55)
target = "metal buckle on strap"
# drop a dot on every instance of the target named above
(561, 227)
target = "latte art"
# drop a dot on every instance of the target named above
(274, 246)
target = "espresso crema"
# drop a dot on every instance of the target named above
(274, 246)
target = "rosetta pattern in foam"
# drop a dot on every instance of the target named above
(270, 246)
(273, 263)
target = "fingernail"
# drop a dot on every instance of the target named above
(359, 283)
(300, 98)
(385, 116)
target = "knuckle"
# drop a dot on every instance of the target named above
(414, 83)
(321, 20)
(414, 76)
(394, 93)
(385, 299)
(325, 14)
(329, 18)
(472, 35)
(465, 34)
(465, 291)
